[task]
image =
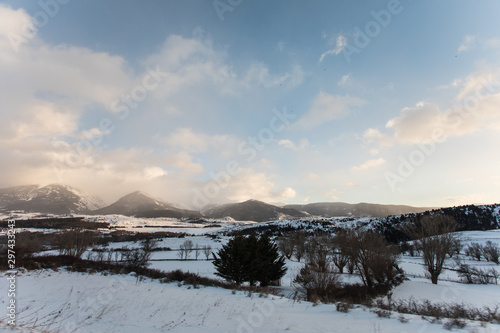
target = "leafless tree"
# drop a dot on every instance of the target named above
(339, 257)
(197, 251)
(374, 260)
(434, 235)
(491, 252)
(185, 249)
(286, 246)
(75, 242)
(207, 250)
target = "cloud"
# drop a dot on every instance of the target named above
(325, 108)
(344, 80)
(332, 195)
(312, 176)
(188, 140)
(466, 44)
(290, 145)
(492, 43)
(467, 199)
(258, 73)
(249, 184)
(340, 44)
(474, 107)
(369, 164)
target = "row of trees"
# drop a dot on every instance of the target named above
(186, 248)
(490, 252)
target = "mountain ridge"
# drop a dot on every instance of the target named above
(64, 199)
(52, 198)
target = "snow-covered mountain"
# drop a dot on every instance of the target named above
(252, 210)
(53, 199)
(141, 204)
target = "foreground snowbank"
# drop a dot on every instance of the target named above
(74, 302)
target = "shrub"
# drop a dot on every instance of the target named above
(316, 283)
(454, 323)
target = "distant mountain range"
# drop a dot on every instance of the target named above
(330, 209)
(63, 199)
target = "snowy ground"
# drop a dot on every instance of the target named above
(73, 302)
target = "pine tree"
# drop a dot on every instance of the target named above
(270, 265)
(250, 259)
(230, 261)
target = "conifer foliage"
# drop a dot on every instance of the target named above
(250, 259)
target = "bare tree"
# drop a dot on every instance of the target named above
(75, 242)
(474, 250)
(491, 252)
(185, 249)
(207, 250)
(373, 259)
(299, 240)
(340, 258)
(286, 246)
(197, 251)
(434, 236)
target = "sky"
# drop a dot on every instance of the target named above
(208, 102)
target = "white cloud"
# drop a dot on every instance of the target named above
(312, 176)
(259, 74)
(369, 164)
(466, 44)
(474, 107)
(340, 44)
(332, 195)
(154, 172)
(290, 145)
(344, 80)
(492, 43)
(325, 108)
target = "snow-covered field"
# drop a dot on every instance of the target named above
(73, 302)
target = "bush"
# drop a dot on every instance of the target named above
(454, 323)
(314, 283)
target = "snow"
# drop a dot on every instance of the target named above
(74, 302)
(476, 295)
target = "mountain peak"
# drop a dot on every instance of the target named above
(52, 198)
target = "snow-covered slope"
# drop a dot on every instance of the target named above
(143, 205)
(73, 302)
(53, 198)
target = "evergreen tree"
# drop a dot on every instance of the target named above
(250, 259)
(230, 261)
(270, 265)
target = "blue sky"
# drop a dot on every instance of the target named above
(202, 102)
